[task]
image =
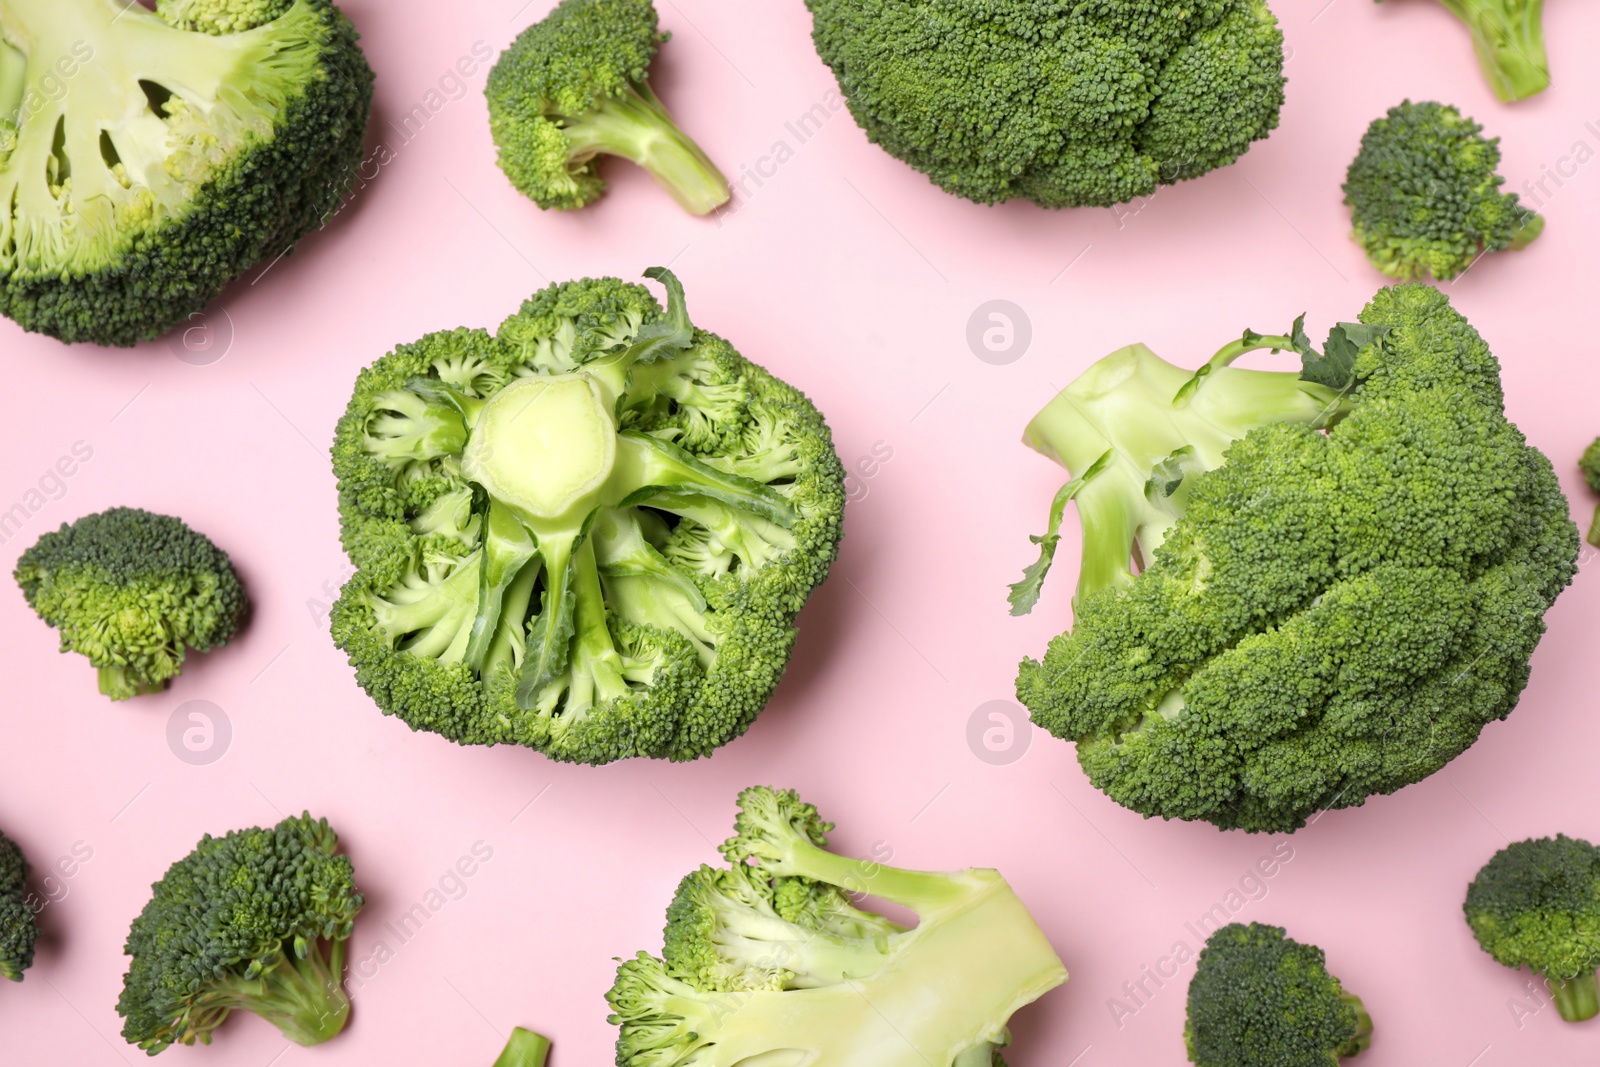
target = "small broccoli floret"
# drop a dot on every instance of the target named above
(1260, 999)
(589, 534)
(770, 959)
(1424, 194)
(524, 1049)
(1062, 104)
(156, 156)
(19, 929)
(574, 87)
(1508, 36)
(256, 921)
(1298, 590)
(1589, 464)
(1536, 904)
(131, 591)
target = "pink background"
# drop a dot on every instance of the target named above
(851, 276)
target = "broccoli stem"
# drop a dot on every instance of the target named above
(637, 127)
(1577, 998)
(303, 998)
(123, 683)
(1509, 38)
(1363, 1035)
(525, 1049)
(1529, 227)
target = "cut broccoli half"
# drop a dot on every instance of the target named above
(574, 87)
(149, 158)
(589, 534)
(1536, 904)
(771, 960)
(132, 591)
(1424, 195)
(255, 921)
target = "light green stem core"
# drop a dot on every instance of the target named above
(636, 127)
(1509, 38)
(1576, 998)
(544, 446)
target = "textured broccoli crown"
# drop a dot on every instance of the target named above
(1508, 36)
(1323, 615)
(256, 921)
(589, 534)
(121, 221)
(769, 959)
(131, 591)
(1260, 999)
(19, 929)
(1062, 104)
(574, 86)
(1424, 194)
(1536, 904)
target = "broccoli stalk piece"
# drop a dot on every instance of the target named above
(256, 921)
(1424, 194)
(130, 590)
(1261, 999)
(771, 959)
(524, 1049)
(573, 87)
(589, 535)
(1536, 904)
(1508, 36)
(1298, 590)
(19, 927)
(1589, 465)
(194, 142)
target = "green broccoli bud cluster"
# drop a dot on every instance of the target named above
(131, 591)
(19, 927)
(574, 87)
(1261, 999)
(255, 920)
(588, 534)
(1536, 904)
(1424, 193)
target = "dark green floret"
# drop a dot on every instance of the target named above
(1298, 588)
(589, 534)
(1260, 999)
(19, 929)
(1062, 104)
(255, 921)
(574, 87)
(149, 158)
(1508, 36)
(132, 591)
(771, 960)
(1424, 195)
(1536, 904)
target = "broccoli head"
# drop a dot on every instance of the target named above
(1589, 465)
(1509, 38)
(147, 159)
(1424, 194)
(19, 929)
(131, 591)
(574, 87)
(1536, 904)
(1260, 999)
(770, 959)
(589, 534)
(255, 921)
(1345, 570)
(1062, 104)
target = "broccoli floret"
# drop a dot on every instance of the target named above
(1509, 38)
(147, 159)
(1345, 571)
(256, 921)
(574, 87)
(1062, 104)
(524, 1049)
(1589, 465)
(1260, 999)
(19, 928)
(770, 959)
(589, 534)
(131, 590)
(1424, 194)
(1536, 904)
